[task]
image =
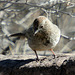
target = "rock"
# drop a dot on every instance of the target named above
(47, 65)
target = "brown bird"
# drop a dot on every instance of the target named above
(42, 35)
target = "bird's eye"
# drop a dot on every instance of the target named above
(41, 26)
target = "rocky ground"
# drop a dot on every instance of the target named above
(62, 64)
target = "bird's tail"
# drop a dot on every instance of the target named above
(17, 35)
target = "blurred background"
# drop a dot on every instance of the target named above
(18, 15)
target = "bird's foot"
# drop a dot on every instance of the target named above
(37, 59)
(54, 56)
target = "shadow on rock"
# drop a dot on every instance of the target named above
(14, 63)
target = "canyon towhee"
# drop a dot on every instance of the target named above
(42, 35)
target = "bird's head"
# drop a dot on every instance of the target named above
(40, 25)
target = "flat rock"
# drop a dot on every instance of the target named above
(62, 64)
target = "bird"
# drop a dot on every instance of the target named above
(42, 35)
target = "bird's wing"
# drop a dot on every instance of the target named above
(29, 32)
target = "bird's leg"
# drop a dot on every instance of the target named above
(36, 55)
(52, 52)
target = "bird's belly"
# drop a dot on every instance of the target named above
(39, 46)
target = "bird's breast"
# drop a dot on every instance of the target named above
(40, 43)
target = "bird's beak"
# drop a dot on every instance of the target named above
(36, 32)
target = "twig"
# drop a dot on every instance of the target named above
(45, 11)
(66, 37)
(7, 6)
(5, 36)
(42, 5)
